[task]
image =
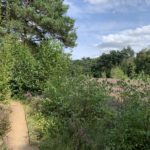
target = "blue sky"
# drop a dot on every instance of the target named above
(103, 25)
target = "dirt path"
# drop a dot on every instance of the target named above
(18, 138)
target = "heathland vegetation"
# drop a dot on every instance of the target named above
(70, 105)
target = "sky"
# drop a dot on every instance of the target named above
(104, 25)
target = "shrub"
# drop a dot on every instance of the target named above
(24, 77)
(143, 61)
(6, 65)
(131, 125)
(128, 67)
(17, 67)
(118, 73)
(32, 69)
(4, 121)
(51, 61)
(76, 111)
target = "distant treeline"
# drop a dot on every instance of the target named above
(124, 63)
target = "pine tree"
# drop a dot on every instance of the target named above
(33, 20)
(3, 9)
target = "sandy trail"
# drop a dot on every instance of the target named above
(18, 138)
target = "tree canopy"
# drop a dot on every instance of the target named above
(117, 62)
(143, 61)
(36, 20)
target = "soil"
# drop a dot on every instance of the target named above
(18, 137)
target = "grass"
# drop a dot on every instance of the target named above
(31, 125)
(4, 124)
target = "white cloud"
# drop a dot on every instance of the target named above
(119, 2)
(74, 11)
(138, 39)
(97, 1)
(100, 6)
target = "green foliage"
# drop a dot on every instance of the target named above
(37, 18)
(24, 70)
(131, 126)
(132, 131)
(32, 71)
(73, 108)
(4, 120)
(117, 73)
(85, 66)
(71, 111)
(76, 113)
(143, 61)
(16, 67)
(4, 124)
(105, 65)
(51, 61)
(128, 67)
(128, 52)
(6, 65)
(142, 76)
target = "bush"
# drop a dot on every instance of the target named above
(17, 67)
(4, 120)
(143, 61)
(131, 125)
(75, 112)
(128, 66)
(143, 76)
(32, 69)
(117, 73)
(6, 65)
(51, 62)
(24, 77)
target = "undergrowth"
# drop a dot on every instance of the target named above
(80, 114)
